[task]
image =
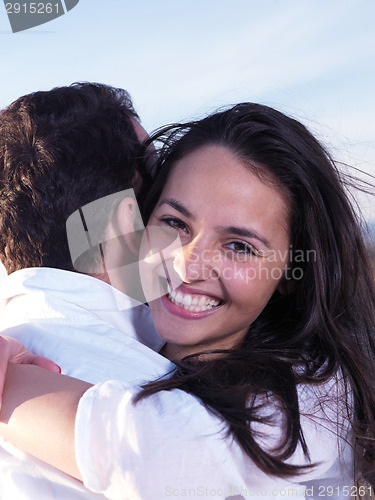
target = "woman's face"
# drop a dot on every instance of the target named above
(235, 237)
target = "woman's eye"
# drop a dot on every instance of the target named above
(241, 247)
(175, 223)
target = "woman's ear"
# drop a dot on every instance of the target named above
(129, 222)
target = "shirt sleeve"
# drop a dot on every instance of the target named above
(169, 445)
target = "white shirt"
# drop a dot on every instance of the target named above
(161, 448)
(169, 446)
(74, 320)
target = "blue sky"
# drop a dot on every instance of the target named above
(314, 59)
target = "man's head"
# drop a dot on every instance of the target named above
(59, 151)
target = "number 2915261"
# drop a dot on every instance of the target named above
(32, 8)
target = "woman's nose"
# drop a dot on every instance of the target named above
(194, 263)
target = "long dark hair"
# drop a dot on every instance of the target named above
(322, 325)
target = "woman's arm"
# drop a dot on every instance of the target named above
(38, 414)
(164, 444)
(12, 351)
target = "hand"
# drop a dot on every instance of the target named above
(12, 351)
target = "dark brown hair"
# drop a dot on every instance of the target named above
(326, 321)
(60, 150)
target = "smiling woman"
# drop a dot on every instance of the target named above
(270, 385)
(254, 181)
(228, 233)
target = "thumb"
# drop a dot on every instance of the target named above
(4, 353)
(41, 361)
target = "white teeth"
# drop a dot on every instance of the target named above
(196, 303)
(187, 300)
(202, 301)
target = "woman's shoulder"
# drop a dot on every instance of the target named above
(328, 400)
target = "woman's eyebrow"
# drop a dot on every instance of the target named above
(245, 233)
(177, 206)
(239, 231)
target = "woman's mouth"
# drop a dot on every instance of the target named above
(193, 302)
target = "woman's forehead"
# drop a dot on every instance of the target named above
(212, 181)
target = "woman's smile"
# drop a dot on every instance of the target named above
(234, 234)
(191, 304)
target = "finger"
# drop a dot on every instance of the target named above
(43, 362)
(3, 364)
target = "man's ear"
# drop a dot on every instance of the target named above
(127, 222)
